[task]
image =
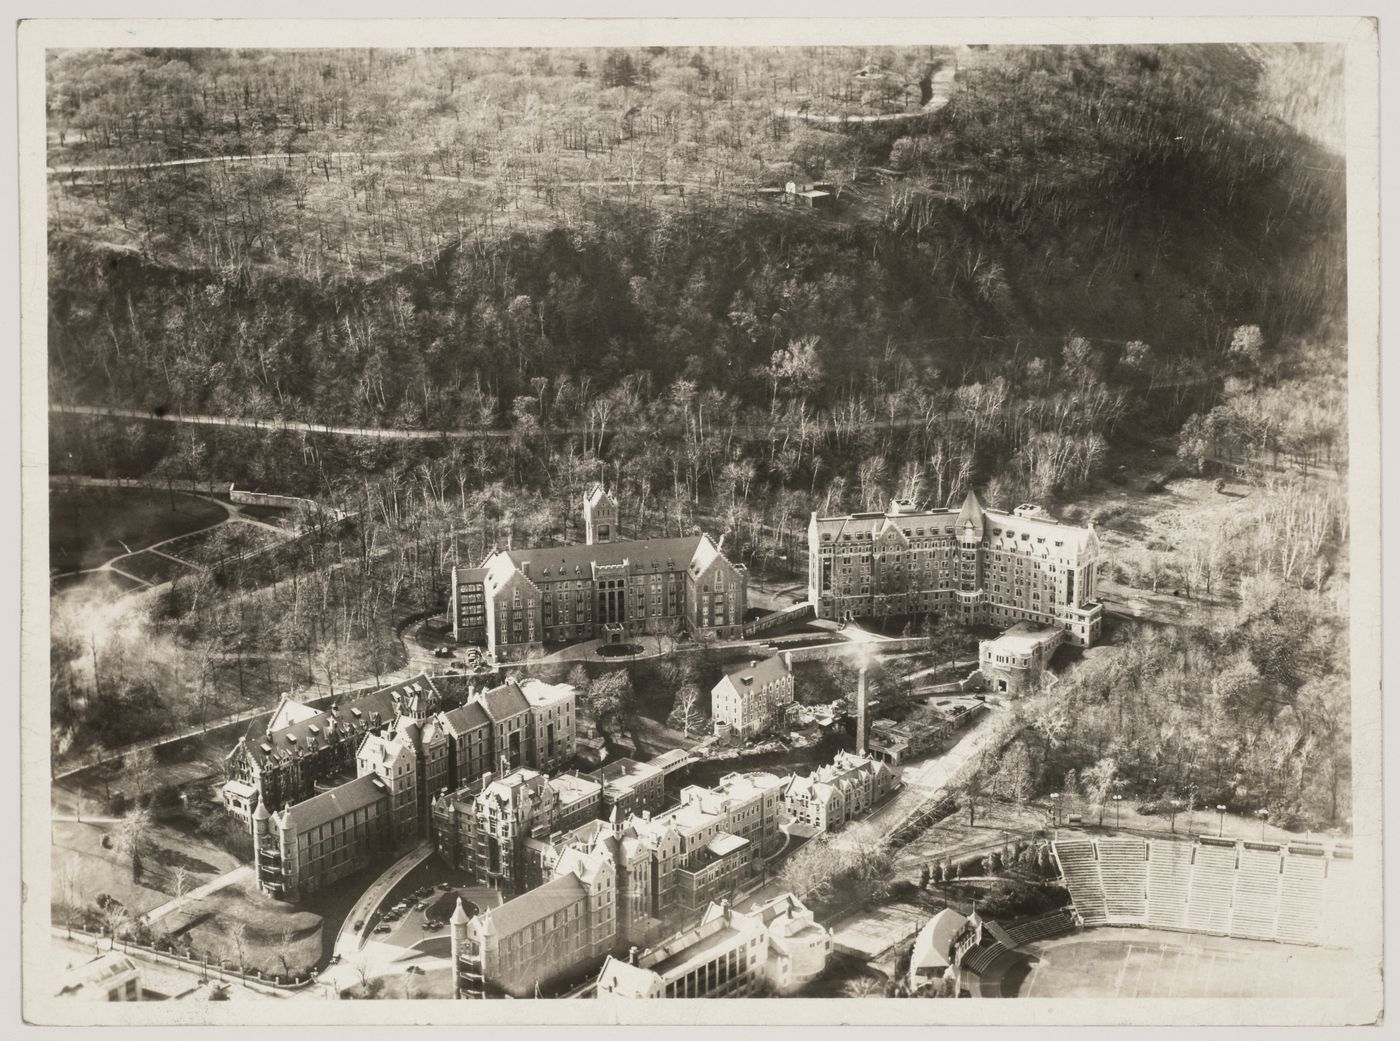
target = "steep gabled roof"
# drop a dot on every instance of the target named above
(539, 903)
(549, 563)
(343, 799)
(755, 674)
(463, 720)
(504, 701)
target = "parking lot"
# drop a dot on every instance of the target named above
(432, 888)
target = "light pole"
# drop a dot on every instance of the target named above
(1055, 809)
(1263, 823)
(1117, 810)
(1220, 807)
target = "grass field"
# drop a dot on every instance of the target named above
(153, 567)
(88, 526)
(1148, 963)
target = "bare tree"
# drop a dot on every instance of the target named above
(131, 837)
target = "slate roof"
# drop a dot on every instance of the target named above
(351, 713)
(950, 522)
(465, 719)
(577, 561)
(539, 903)
(504, 701)
(758, 673)
(348, 797)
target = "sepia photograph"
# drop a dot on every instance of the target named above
(874, 522)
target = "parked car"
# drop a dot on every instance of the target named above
(335, 959)
(382, 929)
(359, 924)
(443, 652)
(420, 905)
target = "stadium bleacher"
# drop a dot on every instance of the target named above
(1123, 868)
(1079, 865)
(1212, 889)
(1168, 884)
(1041, 927)
(1339, 906)
(1256, 893)
(1300, 897)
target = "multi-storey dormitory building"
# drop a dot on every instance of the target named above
(565, 925)
(517, 601)
(976, 564)
(307, 844)
(301, 746)
(530, 723)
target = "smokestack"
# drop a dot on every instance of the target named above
(860, 713)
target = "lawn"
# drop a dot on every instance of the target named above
(89, 526)
(152, 567)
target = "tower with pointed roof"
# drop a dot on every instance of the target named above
(599, 516)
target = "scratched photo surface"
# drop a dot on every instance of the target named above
(791, 524)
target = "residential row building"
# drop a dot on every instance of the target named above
(836, 793)
(753, 699)
(729, 954)
(389, 802)
(976, 564)
(517, 601)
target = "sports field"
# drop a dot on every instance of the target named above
(1147, 963)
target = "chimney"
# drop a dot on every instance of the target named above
(787, 660)
(860, 713)
(632, 955)
(646, 815)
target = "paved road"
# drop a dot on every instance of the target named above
(203, 160)
(352, 942)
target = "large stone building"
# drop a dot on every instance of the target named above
(753, 699)
(517, 601)
(975, 564)
(485, 827)
(600, 886)
(835, 793)
(559, 928)
(300, 746)
(726, 955)
(399, 768)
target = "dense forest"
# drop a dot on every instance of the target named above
(1032, 259)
